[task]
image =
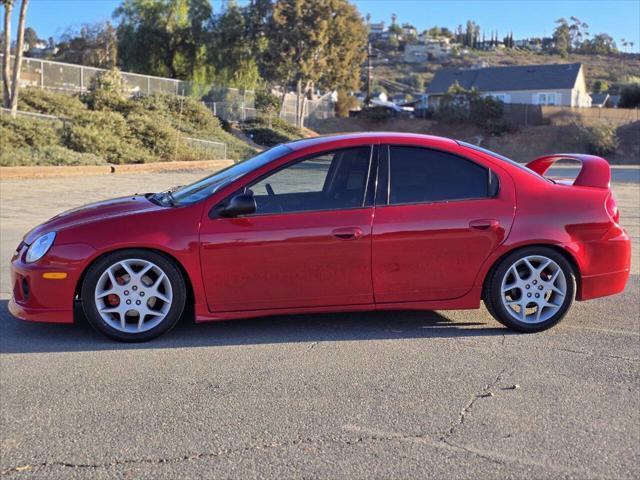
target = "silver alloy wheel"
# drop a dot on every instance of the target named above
(133, 295)
(533, 289)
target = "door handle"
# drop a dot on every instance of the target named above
(348, 233)
(484, 224)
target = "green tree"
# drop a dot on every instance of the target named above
(600, 44)
(231, 53)
(600, 86)
(30, 38)
(346, 48)
(630, 96)
(314, 42)
(95, 45)
(578, 31)
(164, 37)
(561, 37)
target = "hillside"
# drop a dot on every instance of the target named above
(100, 127)
(613, 69)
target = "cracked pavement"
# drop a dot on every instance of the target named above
(357, 395)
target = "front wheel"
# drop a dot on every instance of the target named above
(133, 295)
(531, 289)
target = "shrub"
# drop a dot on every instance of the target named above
(468, 106)
(376, 114)
(155, 135)
(267, 136)
(49, 155)
(184, 113)
(267, 102)
(50, 103)
(601, 139)
(107, 135)
(630, 96)
(27, 132)
(270, 131)
(108, 91)
(345, 104)
(119, 130)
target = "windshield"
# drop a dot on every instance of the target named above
(500, 157)
(207, 186)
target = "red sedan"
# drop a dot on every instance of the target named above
(375, 221)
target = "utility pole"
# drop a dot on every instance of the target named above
(370, 55)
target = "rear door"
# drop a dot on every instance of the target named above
(439, 218)
(307, 245)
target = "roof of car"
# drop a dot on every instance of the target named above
(377, 137)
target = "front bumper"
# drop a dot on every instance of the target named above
(39, 299)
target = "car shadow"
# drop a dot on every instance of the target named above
(17, 336)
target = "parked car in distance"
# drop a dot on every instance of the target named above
(367, 221)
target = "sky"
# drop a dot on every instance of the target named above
(526, 18)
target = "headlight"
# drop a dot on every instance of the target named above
(40, 246)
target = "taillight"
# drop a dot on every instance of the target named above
(612, 208)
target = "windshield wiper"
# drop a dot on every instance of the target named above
(172, 200)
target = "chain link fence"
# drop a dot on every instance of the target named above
(67, 77)
(206, 149)
(314, 110)
(229, 104)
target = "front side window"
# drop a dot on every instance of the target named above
(207, 186)
(419, 175)
(328, 181)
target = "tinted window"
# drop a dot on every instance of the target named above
(328, 181)
(500, 157)
(418, 175)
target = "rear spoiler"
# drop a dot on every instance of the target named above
(595, 171)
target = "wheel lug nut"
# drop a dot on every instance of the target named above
(528, 295)
(540, 287)
(126, 292)
(535, 282)
(537, 295)
(142, 294)
(138, 302)
(528, 286)
(134, 288)
(128, 302)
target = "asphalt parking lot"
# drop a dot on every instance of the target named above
(449, 394)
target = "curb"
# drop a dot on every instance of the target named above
(18, 173)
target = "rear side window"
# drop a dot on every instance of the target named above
(419, 175)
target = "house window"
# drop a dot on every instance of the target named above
(546, 99)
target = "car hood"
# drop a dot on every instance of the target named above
(107, 209)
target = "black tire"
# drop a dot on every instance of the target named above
(173, 274)
(493, 297)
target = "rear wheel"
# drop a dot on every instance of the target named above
(531, 289)
(133, 295)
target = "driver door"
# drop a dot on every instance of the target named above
(307, 245)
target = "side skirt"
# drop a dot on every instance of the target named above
(469, 301)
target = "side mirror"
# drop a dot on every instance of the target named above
(242, 204)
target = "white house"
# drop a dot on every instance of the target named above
(556, 84)
(428, 49)
(376, 29)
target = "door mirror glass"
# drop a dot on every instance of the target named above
(243, 204)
